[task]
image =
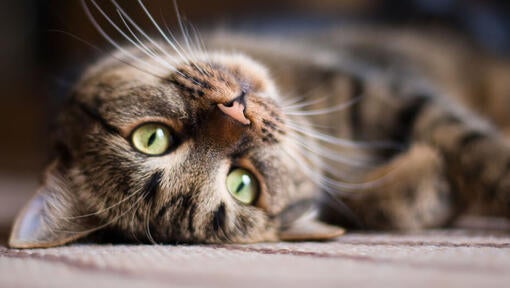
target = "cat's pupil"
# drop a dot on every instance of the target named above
(151, 139)
(240, 187)
(245, 180)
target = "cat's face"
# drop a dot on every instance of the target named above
(181, 193)
(197, 155)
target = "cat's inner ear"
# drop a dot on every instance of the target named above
(50, 218)
(309, 229)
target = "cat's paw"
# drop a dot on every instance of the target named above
(414, 193)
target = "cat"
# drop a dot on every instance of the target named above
(239, 139)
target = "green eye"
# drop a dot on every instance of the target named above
(242, 185)
(152, 139)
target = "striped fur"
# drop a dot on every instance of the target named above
(422, 152)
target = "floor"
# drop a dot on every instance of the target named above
(476, 253)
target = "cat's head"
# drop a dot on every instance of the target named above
(199, 154)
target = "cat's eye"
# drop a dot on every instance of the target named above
(152, 138)
(242, 185)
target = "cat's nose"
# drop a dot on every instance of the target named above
(235, 110)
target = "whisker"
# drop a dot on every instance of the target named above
(172, 36)
(332, 185)
(147, 222)
(199, 43)
(108, 38)
(321, 164)
(107, 223)
(179, 20)
(314, 176)
(344, 142)
(158, 28)
(299, 104)
(143, 33)
(154, 43)
(186, 37)
(336, 108)
(104, 209)
(288, 99)
(149, 52)
(132, 222)
(191, 48)
(331, 154)
(121, 32)
(103, 51)
(308, 124)
(326, 183)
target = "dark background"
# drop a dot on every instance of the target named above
(39, 59)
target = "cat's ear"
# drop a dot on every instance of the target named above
(50, 218)
(309, 229)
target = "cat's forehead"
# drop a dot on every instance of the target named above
(123, 90)
(116, 71)
(121, 96)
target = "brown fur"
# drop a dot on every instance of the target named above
(411, 90)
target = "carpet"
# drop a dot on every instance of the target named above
(474, 253)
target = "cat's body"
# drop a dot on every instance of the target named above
(418, 158)
(445, 102)
(430, 92)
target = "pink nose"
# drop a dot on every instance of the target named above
(235, 111)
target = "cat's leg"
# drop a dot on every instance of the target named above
(495, 102)
(410, 192)
(460, 162)
(477, 157)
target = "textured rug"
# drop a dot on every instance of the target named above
(476, 253)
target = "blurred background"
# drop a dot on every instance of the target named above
(41, 55)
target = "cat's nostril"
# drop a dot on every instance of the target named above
(239, 99)
(229, 104)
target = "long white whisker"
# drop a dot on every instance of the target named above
(343, 142)
(147, 222)
(117, 28)
(149, 52)
(142, 47)
(178, 44)
(328, 184)
(288, 99)
(102, 51)
(132, 222)
(323, 165)
(198, 39)
(314, 176)
(329, 154)
(188, 39)
(173, 38)
(328, 110)
(144, 34)
(110, 40)
(107, 223)
(179, 20)
(299, 104)
(140, 30)
(161, 31)
(104, 209)
(308, 124)
(186, 36)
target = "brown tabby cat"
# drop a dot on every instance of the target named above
(169, 142)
